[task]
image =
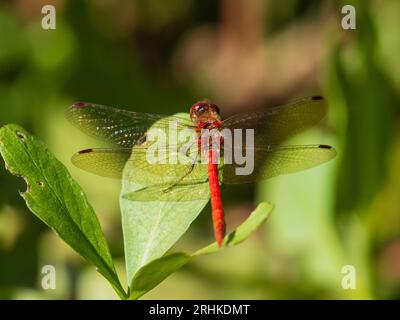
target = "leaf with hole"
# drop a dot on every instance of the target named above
(55, 198)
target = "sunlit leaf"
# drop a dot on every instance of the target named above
(151, 227)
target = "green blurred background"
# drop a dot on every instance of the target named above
(162, 56)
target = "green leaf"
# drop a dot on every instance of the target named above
(55, 198)
(151, 227)
(252, 223)
(157, 270)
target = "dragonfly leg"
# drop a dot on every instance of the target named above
(187, 153)
(180, 179)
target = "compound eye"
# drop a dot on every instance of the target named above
(200, 108)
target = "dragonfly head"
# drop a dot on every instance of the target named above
(205, 112)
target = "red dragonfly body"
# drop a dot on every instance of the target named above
(205, 115)
(216, 202)
(196, 180)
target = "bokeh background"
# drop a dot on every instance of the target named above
(162, 56)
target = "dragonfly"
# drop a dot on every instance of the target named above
(129, 134)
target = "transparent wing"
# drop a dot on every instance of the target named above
(166, 192)
(139, 168)
(121, 127)
(275, 160)
(274, 125)
(108, 163)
